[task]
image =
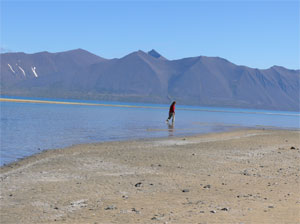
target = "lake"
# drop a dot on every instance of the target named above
(28, 128)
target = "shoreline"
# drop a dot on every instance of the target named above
(22, 160)
(39, 154)
(233, 128)
(240, 110)
(244, 176)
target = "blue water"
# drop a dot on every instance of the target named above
(28, 128)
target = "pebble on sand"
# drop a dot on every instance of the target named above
(111, 207)
(139, 184)
(224, 209)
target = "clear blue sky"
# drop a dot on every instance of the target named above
(254, 33)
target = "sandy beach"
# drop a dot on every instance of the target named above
(245, 176)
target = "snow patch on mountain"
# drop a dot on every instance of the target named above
(22, 70)
(34, 72)
(11, 68)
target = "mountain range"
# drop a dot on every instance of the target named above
(149, 77)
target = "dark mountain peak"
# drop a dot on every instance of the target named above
(146, 56)
(155, 54)
(135, 53)
(138, 54)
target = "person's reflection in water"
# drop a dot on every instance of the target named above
(171, 129)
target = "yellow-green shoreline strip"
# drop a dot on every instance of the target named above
(74, 103)
(133, 106)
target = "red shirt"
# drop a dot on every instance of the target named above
(172, 108)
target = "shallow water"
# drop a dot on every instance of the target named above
(28, 128)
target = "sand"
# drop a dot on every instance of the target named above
(245, 176)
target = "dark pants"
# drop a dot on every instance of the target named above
(171, 115)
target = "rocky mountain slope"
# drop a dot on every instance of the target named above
(149, 77)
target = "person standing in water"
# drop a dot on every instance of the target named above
(172, 112)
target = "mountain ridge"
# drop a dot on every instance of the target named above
(80, 49)
(149, 77)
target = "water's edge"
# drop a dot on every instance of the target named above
(34, 156)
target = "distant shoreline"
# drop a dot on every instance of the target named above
(291, 113)
(73, 103)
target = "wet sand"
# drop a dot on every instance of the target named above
(246, 176)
